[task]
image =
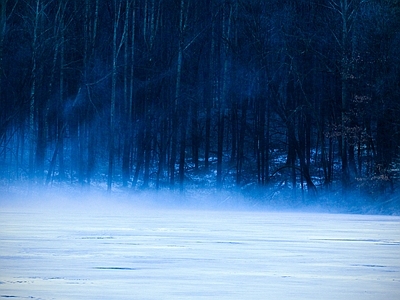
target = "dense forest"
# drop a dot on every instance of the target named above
(298, 98)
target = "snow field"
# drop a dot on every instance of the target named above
(188, 254)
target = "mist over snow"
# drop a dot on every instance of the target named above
(60, 242)
(61, 247)
(86, 199)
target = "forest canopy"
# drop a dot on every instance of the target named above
(290, 97)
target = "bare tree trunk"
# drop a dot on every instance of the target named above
(59, 36)
(112, 103)
(147, 157)
(178, 101)
(266, 163)
(207, 137)
(131, 84)
(234, 131)
(182, 154)
(226, 29)
(242, 133)
(182, 105)
(91, 23)
(162, 149)
(343, 7)
(32, 104)
(195, 136)
(116, 49)
(220, 147)
(174, 140)
(61, 125)
(3, 26)
(139, 155)
(209, 98)
(127, 102)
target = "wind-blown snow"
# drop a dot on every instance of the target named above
(187, 254)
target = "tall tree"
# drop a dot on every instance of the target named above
(117, 43)
(129, 59)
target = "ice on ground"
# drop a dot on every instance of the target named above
(188, 254)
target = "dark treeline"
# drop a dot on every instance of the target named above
(282, 95)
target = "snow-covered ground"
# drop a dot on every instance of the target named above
(187, 254)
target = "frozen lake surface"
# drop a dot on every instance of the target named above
(187, 254)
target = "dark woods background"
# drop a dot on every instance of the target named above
(293, 98)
